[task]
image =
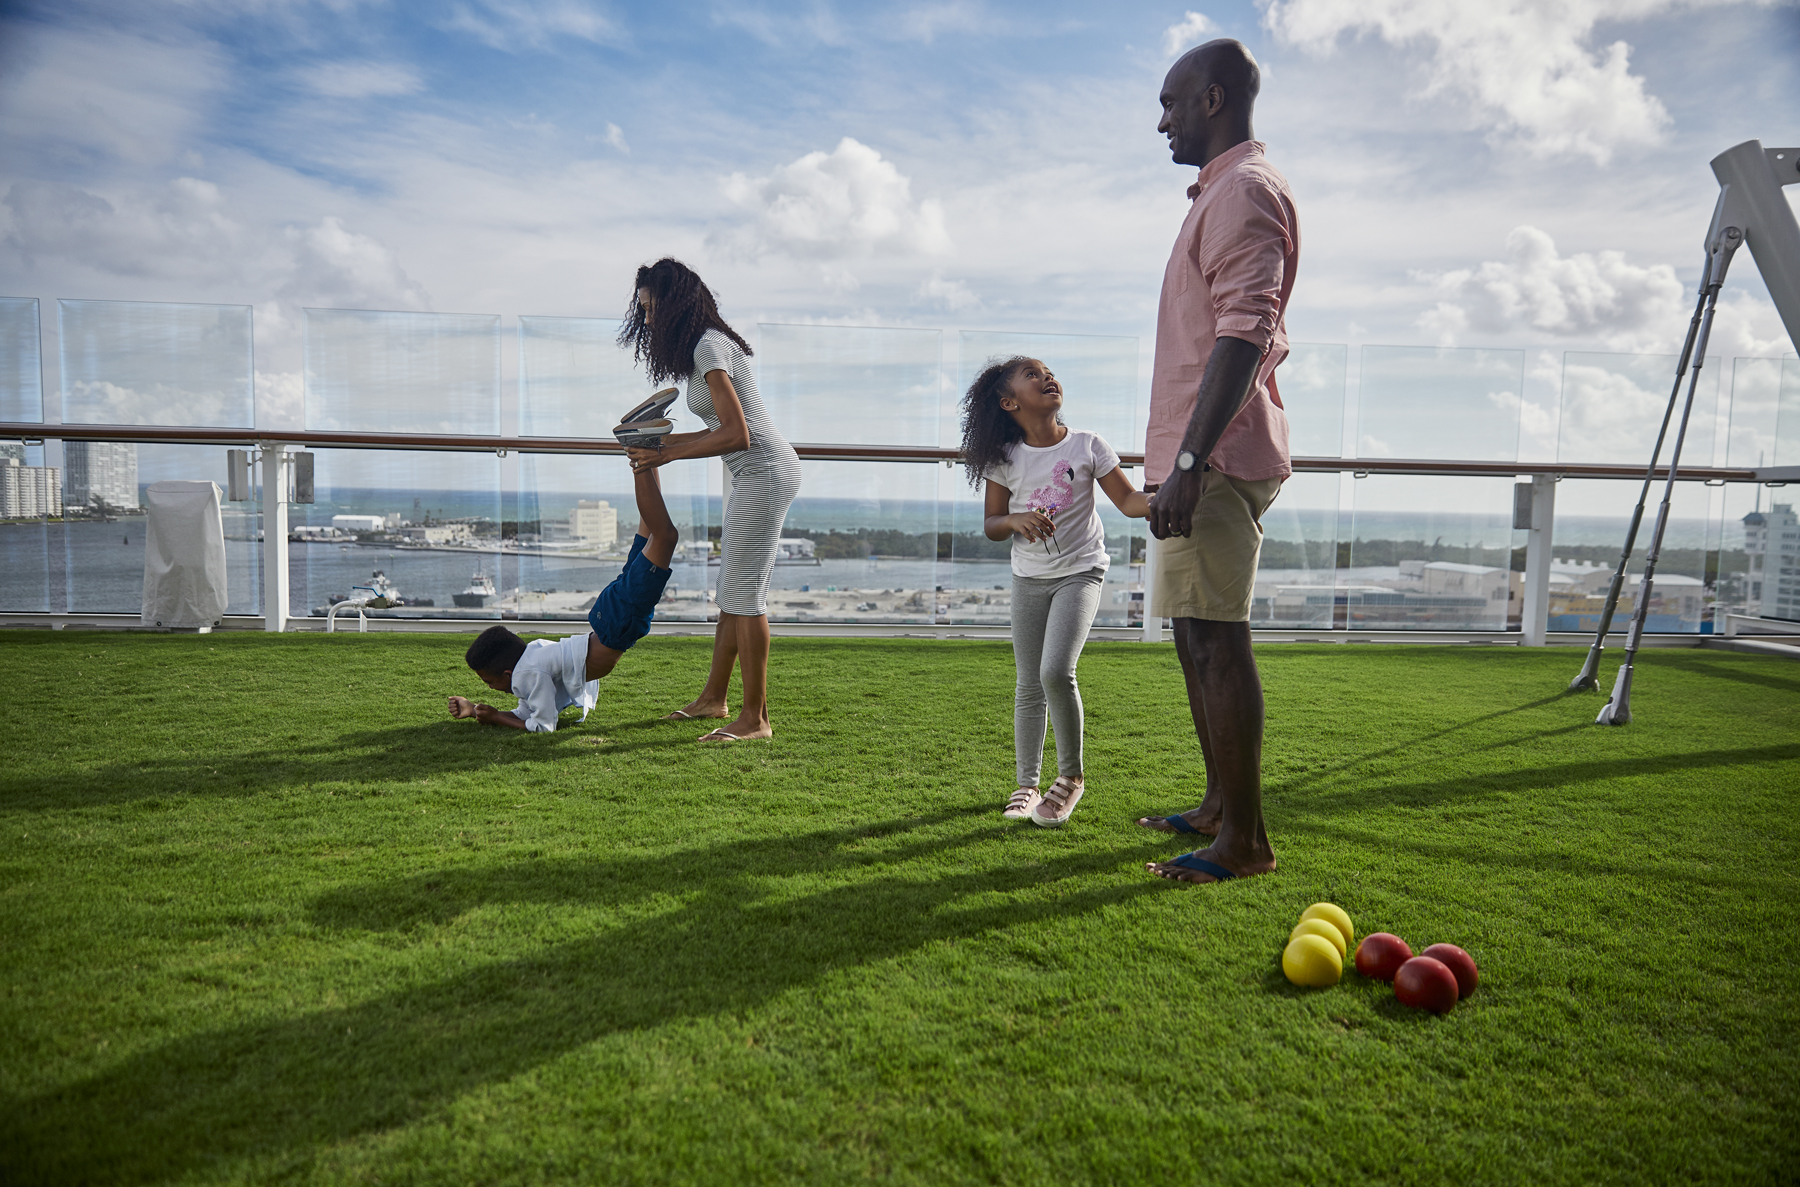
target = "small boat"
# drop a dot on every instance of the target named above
(481, 590)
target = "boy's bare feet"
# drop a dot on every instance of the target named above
(699, 709)
(1198, 820)
(1193, 867)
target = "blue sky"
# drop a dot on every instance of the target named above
(1513, 172)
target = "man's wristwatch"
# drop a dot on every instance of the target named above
(1185, 461)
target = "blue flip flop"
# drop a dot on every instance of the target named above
(1191, 861)
(1179, 824)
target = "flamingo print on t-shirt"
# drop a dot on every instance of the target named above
(1058, 480)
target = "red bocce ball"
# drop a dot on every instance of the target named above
(1460, 964)
(1381, 954)
(1426, 984)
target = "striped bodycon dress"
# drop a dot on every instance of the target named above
(764, 479)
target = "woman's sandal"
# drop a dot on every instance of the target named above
(684, 715)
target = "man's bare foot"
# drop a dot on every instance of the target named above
(1193, 867)
(1198, 820)
(739, 730)
(699, 709)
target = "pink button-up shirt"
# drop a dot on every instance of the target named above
(1231, 273)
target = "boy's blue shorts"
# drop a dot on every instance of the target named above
(622, 613)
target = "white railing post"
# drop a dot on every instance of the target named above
(1153, 629)
(1534, 617)
(275, 536)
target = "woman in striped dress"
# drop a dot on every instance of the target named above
(674, 328)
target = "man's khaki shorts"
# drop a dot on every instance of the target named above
(1211, 573)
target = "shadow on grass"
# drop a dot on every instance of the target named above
(401, 755)
(1758, 676)
(281, 1089)
(1425, 793)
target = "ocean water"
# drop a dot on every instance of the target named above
(82, 566)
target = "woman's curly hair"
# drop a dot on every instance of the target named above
(988, 431)
(683, 309)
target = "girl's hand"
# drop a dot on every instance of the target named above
(645, 459)
(1033, 525)
(461, 707)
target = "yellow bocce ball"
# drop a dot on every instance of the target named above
(1324, 929)
(1312, 961)
(1336, 916)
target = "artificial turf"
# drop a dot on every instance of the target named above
(269, 915)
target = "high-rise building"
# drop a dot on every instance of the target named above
(593, 521)
(29, 492)
(100, 472)
(14, 450)
(1772, 547)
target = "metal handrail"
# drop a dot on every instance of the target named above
(481, 443)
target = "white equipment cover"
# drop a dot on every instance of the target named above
(184, 556)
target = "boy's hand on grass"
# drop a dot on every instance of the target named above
(462, 707)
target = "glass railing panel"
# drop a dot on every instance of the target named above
(573, 525)
(1759, 554)
(1311, 384)
(575, 380)
(102, 541)
(1432, 554)
(379, 372)
(1098, 373)
(851, 385)
(1592, 516)
(1297, 573)
(21, 366)
(860, 545)
(30, 520)
(1613, 405)
(1787, 416)
(1425, 402)
(977, 574)
(156, 363)
(1755, 412)
(411, 528)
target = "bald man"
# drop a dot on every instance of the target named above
(1216, 451)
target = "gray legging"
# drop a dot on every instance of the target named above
(1050, 620)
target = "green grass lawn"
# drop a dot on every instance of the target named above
(269, 915)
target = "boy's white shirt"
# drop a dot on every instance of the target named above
(1080, 540)
(551, 676)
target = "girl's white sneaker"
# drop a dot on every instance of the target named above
(1056, 805)
(1021, 804)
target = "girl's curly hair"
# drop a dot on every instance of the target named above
(988, 431)
(683, 310)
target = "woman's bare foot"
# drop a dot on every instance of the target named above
(699, 709)
(1198, 820)
(741, 728)
(1247, 866)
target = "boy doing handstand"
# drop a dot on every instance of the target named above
(550, 675)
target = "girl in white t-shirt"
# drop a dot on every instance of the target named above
(1040, 477)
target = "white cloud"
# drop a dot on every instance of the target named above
(361, 80)
(280, 399)
(953, 295)
(179, 230)
(1747, 325)
(615, 136)
(1194, 28)
(924, 22)
(848, 202)
(1598, 296)
(512, 25)
(336, 267)
(1524, 64)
